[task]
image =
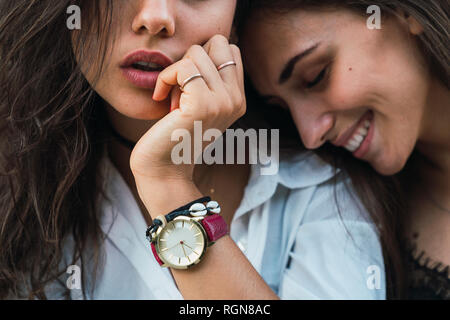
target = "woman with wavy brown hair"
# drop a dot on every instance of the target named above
(56, 128)
(375, 101)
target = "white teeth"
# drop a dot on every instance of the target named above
(358, 138)
(355, 142)
(362, 131)
(351, 148)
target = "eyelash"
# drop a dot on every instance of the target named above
(318, 79)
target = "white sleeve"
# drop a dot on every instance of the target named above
(334, 257)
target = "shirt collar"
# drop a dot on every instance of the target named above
(301, 169)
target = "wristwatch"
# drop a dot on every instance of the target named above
(181, 242)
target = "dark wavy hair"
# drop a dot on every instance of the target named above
(384, 197)
(52, 137)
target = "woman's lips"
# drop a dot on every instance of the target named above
(143, 78)
(140, 78)
(358, 138)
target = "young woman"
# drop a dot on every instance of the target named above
(87, 117)
(380, 94)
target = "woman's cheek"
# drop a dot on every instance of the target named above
(394, 142)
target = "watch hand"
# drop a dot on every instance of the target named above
(182, 246)
(173, 246)
(188, 246)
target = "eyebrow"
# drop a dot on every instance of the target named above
(289, 68)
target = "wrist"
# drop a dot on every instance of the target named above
(163, 173)
(162, 195)
(180, 238)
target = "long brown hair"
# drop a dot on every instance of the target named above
(52, 137)
(385, 198)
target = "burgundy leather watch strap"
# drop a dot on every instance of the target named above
(215, 227)
(158, 259)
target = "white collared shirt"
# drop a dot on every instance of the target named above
(288, 226)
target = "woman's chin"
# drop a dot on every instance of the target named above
(388, 167)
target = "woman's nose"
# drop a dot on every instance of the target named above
(314, 128)
(155, 17)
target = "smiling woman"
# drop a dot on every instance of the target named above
(382, 95)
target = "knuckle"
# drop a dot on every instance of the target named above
(239, 101)
(236, 99)
(242, 110)
(235, 49)
(193, 51)
(188, 64)
(218, 38)
(196, 48)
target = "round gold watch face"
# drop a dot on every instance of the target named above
(181, 243)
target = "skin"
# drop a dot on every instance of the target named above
(150, 116)
(382, 71)
(164, 26)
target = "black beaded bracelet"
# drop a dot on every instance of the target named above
(183, 210)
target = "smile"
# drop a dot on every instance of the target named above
(355, 142)
(357, 139)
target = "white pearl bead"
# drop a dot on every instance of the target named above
(199, 213)
(197, 207)
(215, 210)
(212, 205)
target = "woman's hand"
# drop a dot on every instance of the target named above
(217, 100)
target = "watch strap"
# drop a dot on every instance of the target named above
(215, 227)
(184, 210)
(158, 259)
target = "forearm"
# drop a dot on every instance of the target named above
(224, 273)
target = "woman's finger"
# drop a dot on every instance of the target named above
(240, 77)
(175, 96)
(237, 57)
(206, 67)
(176, 75)
(219, 50)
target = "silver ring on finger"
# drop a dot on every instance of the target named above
(185, 82)
(226, 64)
